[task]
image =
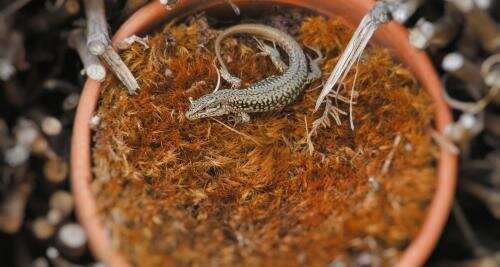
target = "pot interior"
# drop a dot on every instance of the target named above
(225, 14)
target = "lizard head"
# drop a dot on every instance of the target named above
(211, 105)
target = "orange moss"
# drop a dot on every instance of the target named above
(195, 193)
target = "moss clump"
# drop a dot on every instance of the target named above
(199, 193)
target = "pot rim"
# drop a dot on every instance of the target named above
(392, 35)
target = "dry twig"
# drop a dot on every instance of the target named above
(120, 69)
(390, 156)
(236, 131)
(92, 66)
(97, 27)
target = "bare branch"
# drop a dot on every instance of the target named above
(120, 69)
(97, 27)
(93, 67)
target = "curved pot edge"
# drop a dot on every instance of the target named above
(415, 254)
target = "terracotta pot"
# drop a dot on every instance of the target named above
(392, 35)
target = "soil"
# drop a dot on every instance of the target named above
(208, 192)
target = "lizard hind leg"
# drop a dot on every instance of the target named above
(315, 70)
(273, 53)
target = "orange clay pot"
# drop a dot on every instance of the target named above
(391, 35)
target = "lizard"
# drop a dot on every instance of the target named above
(272, 93)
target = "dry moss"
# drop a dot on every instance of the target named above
(197, 193)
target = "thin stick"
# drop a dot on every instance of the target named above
(97, 27)
(390, 156)
(235, 8)
(93, 67)
(120, 69)
(351, 120)
(236, 131)
(444, 142)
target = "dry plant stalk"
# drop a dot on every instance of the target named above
(97, 27)
(99, 44)
(121, 70)
(378, 15)
(92, 66)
